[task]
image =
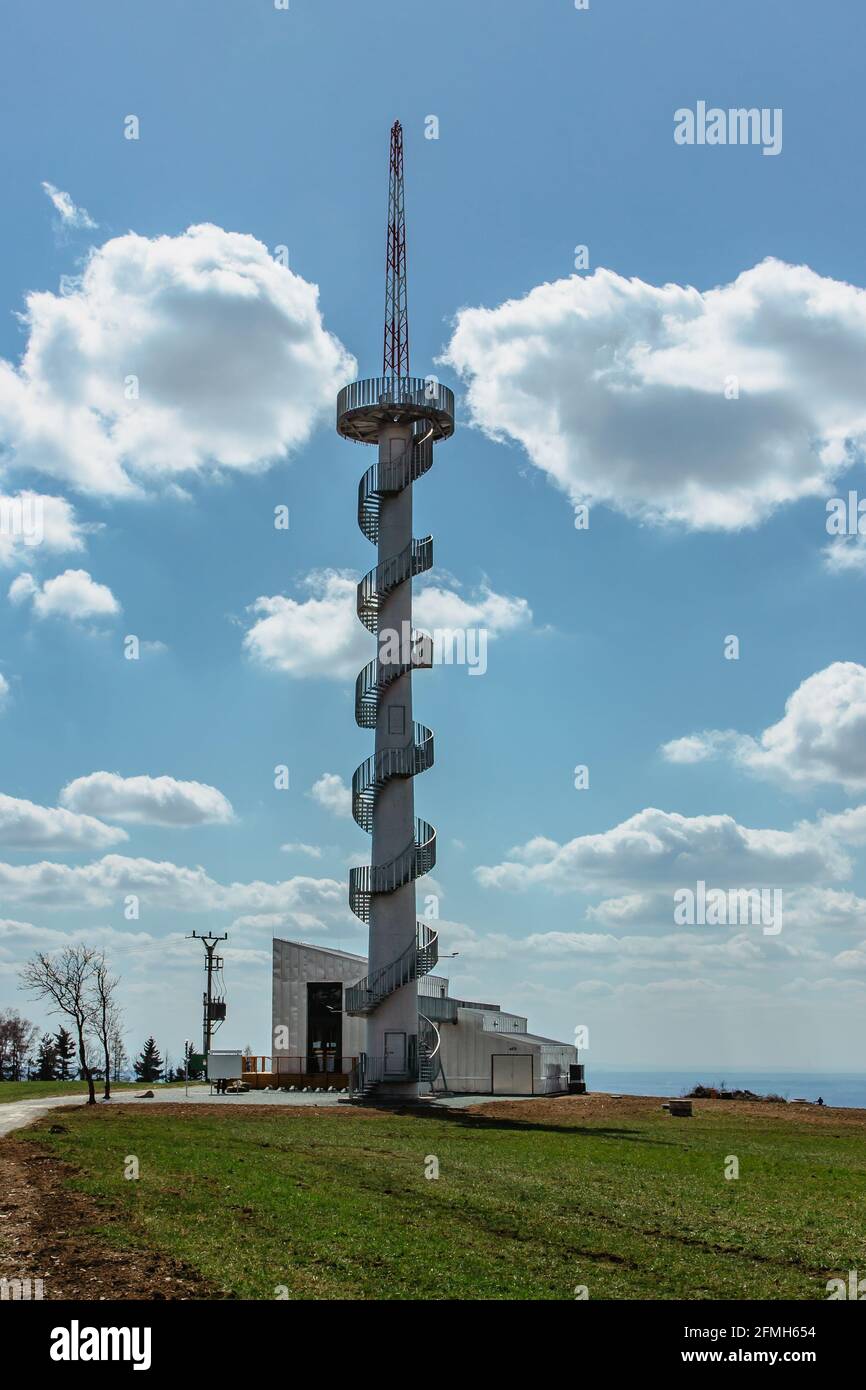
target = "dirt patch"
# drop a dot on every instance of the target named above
(576, 1110)
(43, 1235)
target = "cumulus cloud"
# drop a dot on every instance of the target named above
(298, 847)
(617, 910)
(821, 738)
(316, 636)
(4, 691)
(732, 951)
(275, 922)
(25, 825)
(616, 389)
(846, 555)
(70, 215)
(446, 609)
(170, 356)
(853, 959)
(32, 521)
(696, 748)
(72, 594)
(331, 792)
(320, 635)
(660, 848)
(147, 800)
(143, 957)
(162, 884)
(848, 826)
(825, 909)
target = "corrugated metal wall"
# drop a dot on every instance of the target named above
(469, 1045)
(296, 966)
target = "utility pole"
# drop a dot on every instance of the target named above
(214, 1009)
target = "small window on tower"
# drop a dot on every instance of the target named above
(396, 719)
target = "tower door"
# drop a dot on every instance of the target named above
(395, 1053)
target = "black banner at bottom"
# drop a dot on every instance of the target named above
(63, 1339)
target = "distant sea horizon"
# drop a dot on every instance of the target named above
(846, 1089)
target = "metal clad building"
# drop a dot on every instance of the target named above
(484, 1049)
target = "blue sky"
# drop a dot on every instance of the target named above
(707, 516)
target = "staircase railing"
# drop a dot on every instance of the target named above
(406, 760)
(418, 959)
(416, 859)
(363, 409)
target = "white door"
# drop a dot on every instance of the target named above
(512, 1074)
(395, 1053)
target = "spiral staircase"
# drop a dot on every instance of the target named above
(363, 408)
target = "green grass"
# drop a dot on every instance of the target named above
(337, 1205)
(34, 1090)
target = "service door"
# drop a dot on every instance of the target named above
(512, 1074)
(395, 1054)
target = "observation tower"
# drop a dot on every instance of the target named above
(403, 417)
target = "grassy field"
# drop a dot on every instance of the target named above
(34, 1090)
(616, 1196)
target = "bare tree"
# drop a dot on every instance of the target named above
(105, 1013)
(66, 979)
(17, 1036)
(119, 1058)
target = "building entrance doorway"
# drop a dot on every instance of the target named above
(511, 1074)
(324, 1027)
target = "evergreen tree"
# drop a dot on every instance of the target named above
(65, 1048)
(148, 1067)
(46, 1059)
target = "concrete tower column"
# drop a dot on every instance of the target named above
(392, 915)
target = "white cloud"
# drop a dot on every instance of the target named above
(275, 922)
(700, 944)
(852, 960)
(697, 748)
(24, 825)
(232, 363)
(298, 847)
(435, 607)
(144, 960)
(825, 908)
(147, 800)
(32, 521)
(162, 884)
(613, 911)
(821, 738)
(320, 635)
(846, 555)
(72, 594)
(616, 389)
(70, 215)
(331, 792)
(316, 636)
(659, 848)
(4, 691)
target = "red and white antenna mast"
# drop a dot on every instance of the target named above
(396, 355)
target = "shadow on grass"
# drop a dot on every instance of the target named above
(467, 1120)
